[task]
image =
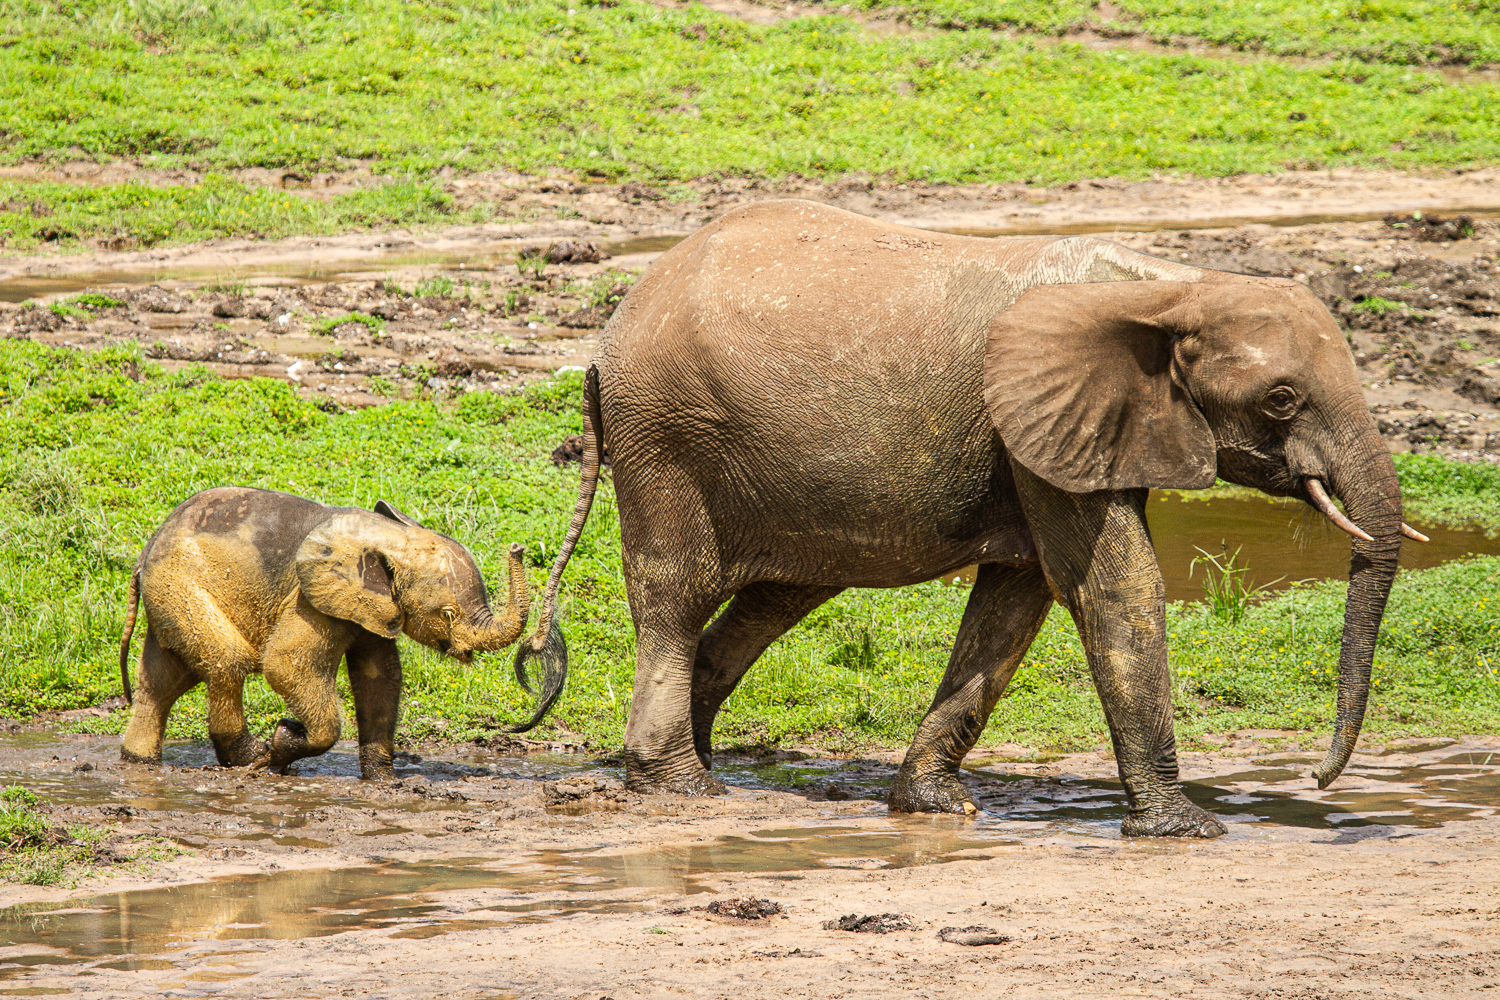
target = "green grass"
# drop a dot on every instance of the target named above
(36, 852)
(1380, 31)
(99, 447)
(630, 90)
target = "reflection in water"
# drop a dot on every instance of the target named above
(1285, 539)
(317, 902)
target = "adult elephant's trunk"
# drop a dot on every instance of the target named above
(1365, 479)
(501, 632)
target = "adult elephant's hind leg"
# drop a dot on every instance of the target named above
(659, 754)
(1005, 611)
(758, 616)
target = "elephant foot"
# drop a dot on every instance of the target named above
(1174, 819)
(375, 764)
(243, 750)
(152, 760)
(288, 745)
(657, 780)
(932, 791)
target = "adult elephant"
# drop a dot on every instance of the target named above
(796, 399)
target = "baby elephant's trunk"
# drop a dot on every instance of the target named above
(508, 627)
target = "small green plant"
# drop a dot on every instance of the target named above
(531, 261)
(1377, 305)
(95, 300)
(1464, 344)
(228, 287)
(328, 324)
(383, 387)
(391, 287)
(1225, 586)
(439, 286)
(856, 655)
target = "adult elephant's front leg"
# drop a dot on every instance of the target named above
(1004, 613)
(1097, 554)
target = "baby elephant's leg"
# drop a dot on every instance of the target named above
(301, 665)
(232, 741)
(161, 680)
(375, 682)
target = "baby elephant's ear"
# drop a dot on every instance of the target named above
(387, 509)
(344, 575)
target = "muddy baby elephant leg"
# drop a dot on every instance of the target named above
(1006, 609)
(233, 744)
(162, 679)
(757, 617)
(375, 682)
(1097, 554)
(302, 667)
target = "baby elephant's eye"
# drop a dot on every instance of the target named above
(1280, 403)
(449, 614)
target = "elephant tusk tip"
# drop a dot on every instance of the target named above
(1413, 533)
(1320, 500)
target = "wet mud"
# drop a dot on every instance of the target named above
(1410, 265)
(466, 849)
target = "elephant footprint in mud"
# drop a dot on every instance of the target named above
(796, 400)
(239, 581)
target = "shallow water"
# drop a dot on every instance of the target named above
(1277, 539)
(1403, 792)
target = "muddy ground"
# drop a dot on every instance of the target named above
(450, 312)
(490, 872)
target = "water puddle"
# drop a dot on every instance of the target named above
(1276, 539)
(291, 905)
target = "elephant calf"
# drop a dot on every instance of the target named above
(239, 581)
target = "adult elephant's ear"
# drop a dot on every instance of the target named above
(1084, 383)
(344, 572)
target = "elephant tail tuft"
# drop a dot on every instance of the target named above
(133, 602)
(546, 642)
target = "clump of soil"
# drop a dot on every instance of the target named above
(972, 936)
(1433, 228)
(879, 923)
(749, 908)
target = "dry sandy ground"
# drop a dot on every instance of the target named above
(485, 875)
(1431, 362)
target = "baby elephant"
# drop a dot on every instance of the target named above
(240, 580)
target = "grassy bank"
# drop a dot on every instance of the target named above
(629, 90)
(1411, 32)
(100, 446)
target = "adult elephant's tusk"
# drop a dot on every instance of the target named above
(1413, 533)
(1320, 500)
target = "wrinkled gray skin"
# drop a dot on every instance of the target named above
(239, 581)
(798, 400)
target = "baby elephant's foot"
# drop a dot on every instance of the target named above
(1178, 818)
(375, 764)
(127, 757)
(288, 745)
(243, 750)
(931, 791)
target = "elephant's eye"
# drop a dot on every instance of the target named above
(1280, 403)
(449, 614)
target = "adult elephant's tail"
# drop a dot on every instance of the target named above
(546, 643)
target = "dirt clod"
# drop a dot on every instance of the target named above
(972, 936)
(878, 923)
(575, 252)
(1433, 228)
(748, 908)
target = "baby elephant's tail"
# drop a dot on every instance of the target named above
(546, 643)
(130, 608)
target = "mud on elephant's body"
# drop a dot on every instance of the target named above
(240, 581)
(797, 400)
